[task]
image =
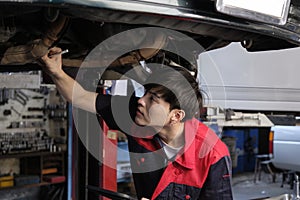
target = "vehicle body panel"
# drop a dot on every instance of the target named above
(260, 81)
(286, 147)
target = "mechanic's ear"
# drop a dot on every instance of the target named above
(177, 116)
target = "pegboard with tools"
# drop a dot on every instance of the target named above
(32, 120)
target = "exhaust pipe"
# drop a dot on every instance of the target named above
(29, 53)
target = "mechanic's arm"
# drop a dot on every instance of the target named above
(70, 89)
(218, 182)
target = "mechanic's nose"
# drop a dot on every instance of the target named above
(142, 101)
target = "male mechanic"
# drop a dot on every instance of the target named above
(172, 154)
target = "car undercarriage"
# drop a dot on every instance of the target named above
(29, 29)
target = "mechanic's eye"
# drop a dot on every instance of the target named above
(152, 98)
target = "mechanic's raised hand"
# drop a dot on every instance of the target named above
(53, 62)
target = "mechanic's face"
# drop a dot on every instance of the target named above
(152, 110)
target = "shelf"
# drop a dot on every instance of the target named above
(30, 185)
(30, 154)
(36, 164)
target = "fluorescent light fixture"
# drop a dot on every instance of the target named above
(269, 11)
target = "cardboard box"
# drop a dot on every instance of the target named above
(26, 180)
(54, 178)
(49, 171)
(6, 181)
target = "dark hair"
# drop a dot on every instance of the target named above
(178, 87)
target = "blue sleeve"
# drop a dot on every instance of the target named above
(218, 183)
(117, 111)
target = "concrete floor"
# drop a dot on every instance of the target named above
(244, 187)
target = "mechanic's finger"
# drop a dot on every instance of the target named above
(54, 51)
